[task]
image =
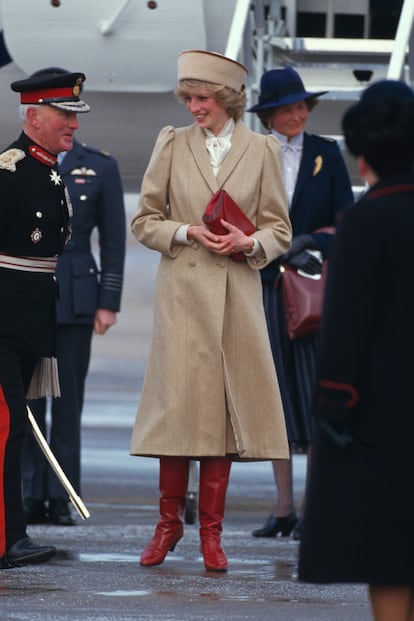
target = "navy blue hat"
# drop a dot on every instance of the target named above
(386, 90)
(54, 86)
(279, 87)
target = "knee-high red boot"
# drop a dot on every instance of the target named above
(173, 494)
(214, 477)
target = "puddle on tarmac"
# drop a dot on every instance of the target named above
(125, 593)
(108, 558)
(191, 597)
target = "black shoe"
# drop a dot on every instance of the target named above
(35, 511)
(275, 525)
(59, 513)
(297, 531)
(25, 551)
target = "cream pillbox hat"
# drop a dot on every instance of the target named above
(211, 67)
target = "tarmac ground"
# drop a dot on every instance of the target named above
(96, 575)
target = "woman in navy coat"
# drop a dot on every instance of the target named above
(360, 500)
(318, 188)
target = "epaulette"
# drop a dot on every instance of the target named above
(95, 150)
(9, 159)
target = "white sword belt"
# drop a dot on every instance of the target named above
(29, 264)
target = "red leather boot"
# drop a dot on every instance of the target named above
(214, 477)
(173, 494)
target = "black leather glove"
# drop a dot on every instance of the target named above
(305, 262)
(299, 243)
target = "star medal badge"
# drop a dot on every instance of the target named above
(55, 177)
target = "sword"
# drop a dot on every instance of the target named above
(73, 496)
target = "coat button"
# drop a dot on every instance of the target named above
(192, 264)
(39, 214)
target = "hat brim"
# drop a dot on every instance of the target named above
(286, 100)
(70, 106)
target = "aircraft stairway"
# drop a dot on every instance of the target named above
(274, 36)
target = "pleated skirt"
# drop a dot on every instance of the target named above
(295, 363)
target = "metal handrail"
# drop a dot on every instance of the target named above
(238, 25)
(402, 37)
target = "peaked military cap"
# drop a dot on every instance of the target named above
(54, 86)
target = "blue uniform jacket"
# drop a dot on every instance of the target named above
(95, 189)
(323, 189)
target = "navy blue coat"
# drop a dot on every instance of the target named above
(95, 188)
(323, 189)
(365, 379)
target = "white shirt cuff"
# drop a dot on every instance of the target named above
(180, 236)
(254, 250)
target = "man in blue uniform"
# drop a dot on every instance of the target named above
(88, 302)
(34, 227)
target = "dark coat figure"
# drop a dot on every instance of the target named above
(360, 497)
(34, 227)
(367, 347)
(93, 181)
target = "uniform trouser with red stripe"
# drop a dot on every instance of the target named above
(16, 371)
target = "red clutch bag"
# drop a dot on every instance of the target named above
(222, 207)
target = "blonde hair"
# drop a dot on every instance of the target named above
(232, 101)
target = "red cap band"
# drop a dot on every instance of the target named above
(49, 94)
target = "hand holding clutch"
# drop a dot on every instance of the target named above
(222, 207)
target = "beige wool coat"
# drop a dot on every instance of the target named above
(210, 387)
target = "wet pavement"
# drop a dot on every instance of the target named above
(96, 574)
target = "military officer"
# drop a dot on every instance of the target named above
(34, 227)
(88, 302)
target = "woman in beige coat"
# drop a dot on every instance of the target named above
(210, 391)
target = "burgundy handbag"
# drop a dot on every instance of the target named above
(222, 207)
(302, 301)
(303, 298)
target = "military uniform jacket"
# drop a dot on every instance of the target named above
(95, 189)
(34, 222)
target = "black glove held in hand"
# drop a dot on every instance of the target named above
(305, 262)
(299, 243)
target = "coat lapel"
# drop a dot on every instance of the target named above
(306, 168)
(239, 144)
(197, 144)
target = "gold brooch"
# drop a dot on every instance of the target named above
(318, 165)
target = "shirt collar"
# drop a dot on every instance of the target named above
(225, 132)
(296, 142)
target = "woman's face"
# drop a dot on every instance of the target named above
(290, 120)
(206, 110)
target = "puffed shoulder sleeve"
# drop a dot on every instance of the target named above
(151, 224)
(274, 230)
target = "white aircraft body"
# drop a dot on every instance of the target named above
(128, 50)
